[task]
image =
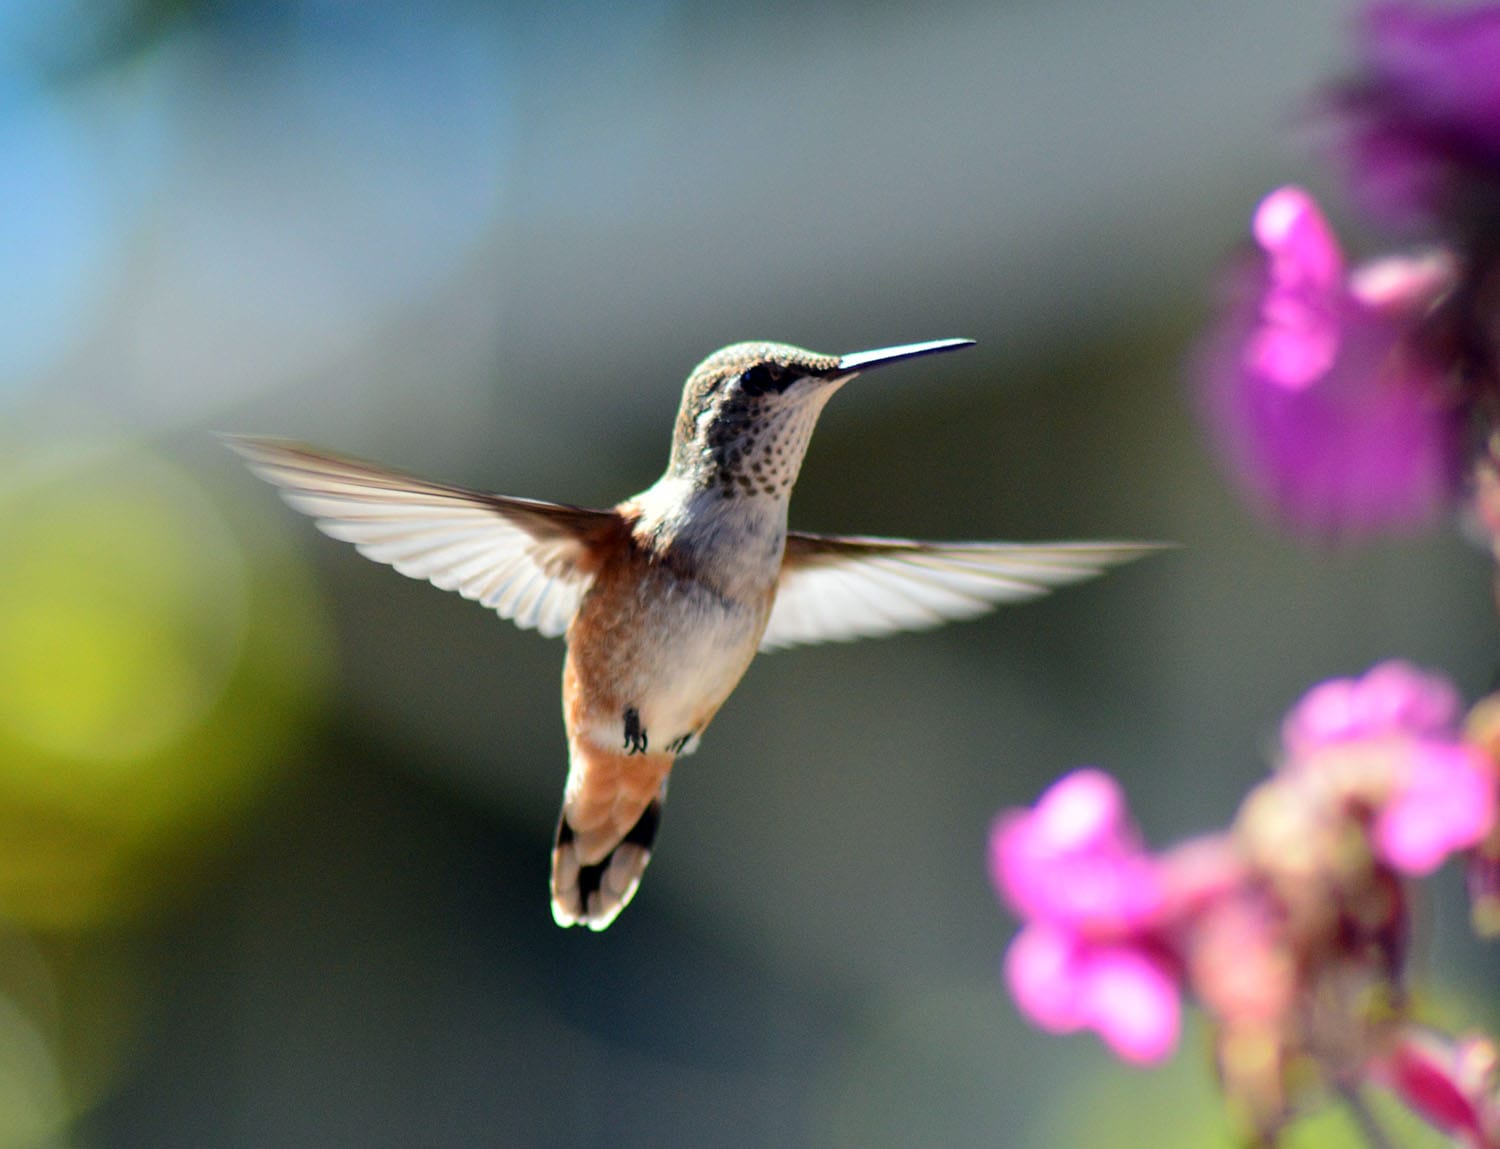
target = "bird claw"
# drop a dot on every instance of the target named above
(635, 735)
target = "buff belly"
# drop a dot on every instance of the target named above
(672, 655)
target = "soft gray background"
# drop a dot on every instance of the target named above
(486, 244)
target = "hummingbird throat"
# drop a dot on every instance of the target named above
(755, 455)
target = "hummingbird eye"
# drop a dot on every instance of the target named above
(764, 377)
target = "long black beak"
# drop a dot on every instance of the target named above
(864, 360)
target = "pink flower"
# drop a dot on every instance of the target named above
(1254, 921)
(1442, 797)
(1393, 698)
(1340, 396)
(1449, 1082)
(1064, 984)
(1446, 804)
(1239, 963)
(1072, 867)
(1421, 127)
(1328, 411)
(1072, 859)
(1297, 340)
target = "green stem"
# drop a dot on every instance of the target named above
(1374, 1134)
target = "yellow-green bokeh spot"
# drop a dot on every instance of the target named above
(34, 1109)
(157, 656)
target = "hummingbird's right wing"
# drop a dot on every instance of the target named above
(834, 588)
(528, 560)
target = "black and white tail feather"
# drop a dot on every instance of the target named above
(593, 894)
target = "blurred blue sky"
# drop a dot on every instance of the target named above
(202, 203)
(293, 240)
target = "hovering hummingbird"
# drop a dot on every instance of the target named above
(665, 598)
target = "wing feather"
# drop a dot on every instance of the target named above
(530, 561)
(835, 588)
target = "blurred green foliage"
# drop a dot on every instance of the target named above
(153, 674)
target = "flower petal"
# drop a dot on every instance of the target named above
(1298, 336)
(1132, 1003)
(1393, 698)
(1326, 403)
(1448, 804)
(1041, 970)
(1072, 859)
(1419, 130)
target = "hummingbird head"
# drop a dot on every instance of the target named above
(749, 409)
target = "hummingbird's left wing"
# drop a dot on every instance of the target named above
(528, 560)
(834, 588)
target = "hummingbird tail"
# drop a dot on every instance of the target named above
(610, 815)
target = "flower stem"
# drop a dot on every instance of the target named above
(1374, 1134)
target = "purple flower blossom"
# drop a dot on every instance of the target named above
(1290, 928)
(1072, 859)
(1123, 993)
(1421, 126)
(1392, 698)
(1297, 339)
(1446, 803)
(1450, 1082)
(1436, 793)
(1072, 868)
(1340, 396)
(1343, 398)
(1328, 409)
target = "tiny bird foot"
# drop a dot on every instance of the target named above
(635, 736)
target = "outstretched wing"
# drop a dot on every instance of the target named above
(834, 589)
(528, 560)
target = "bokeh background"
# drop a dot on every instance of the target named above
(274, 821)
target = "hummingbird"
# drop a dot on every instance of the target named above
(665, 598)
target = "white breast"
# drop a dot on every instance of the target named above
(698, 635)
(700, 664)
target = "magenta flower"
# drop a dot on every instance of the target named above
(1072, 867)
(1449, 1081)
(1445, 804)
(1072, 859)
(1392, 698)
(1421, 127)
(1297, 338)
(1327, 408)
(1123, 993)
(1439, 793)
